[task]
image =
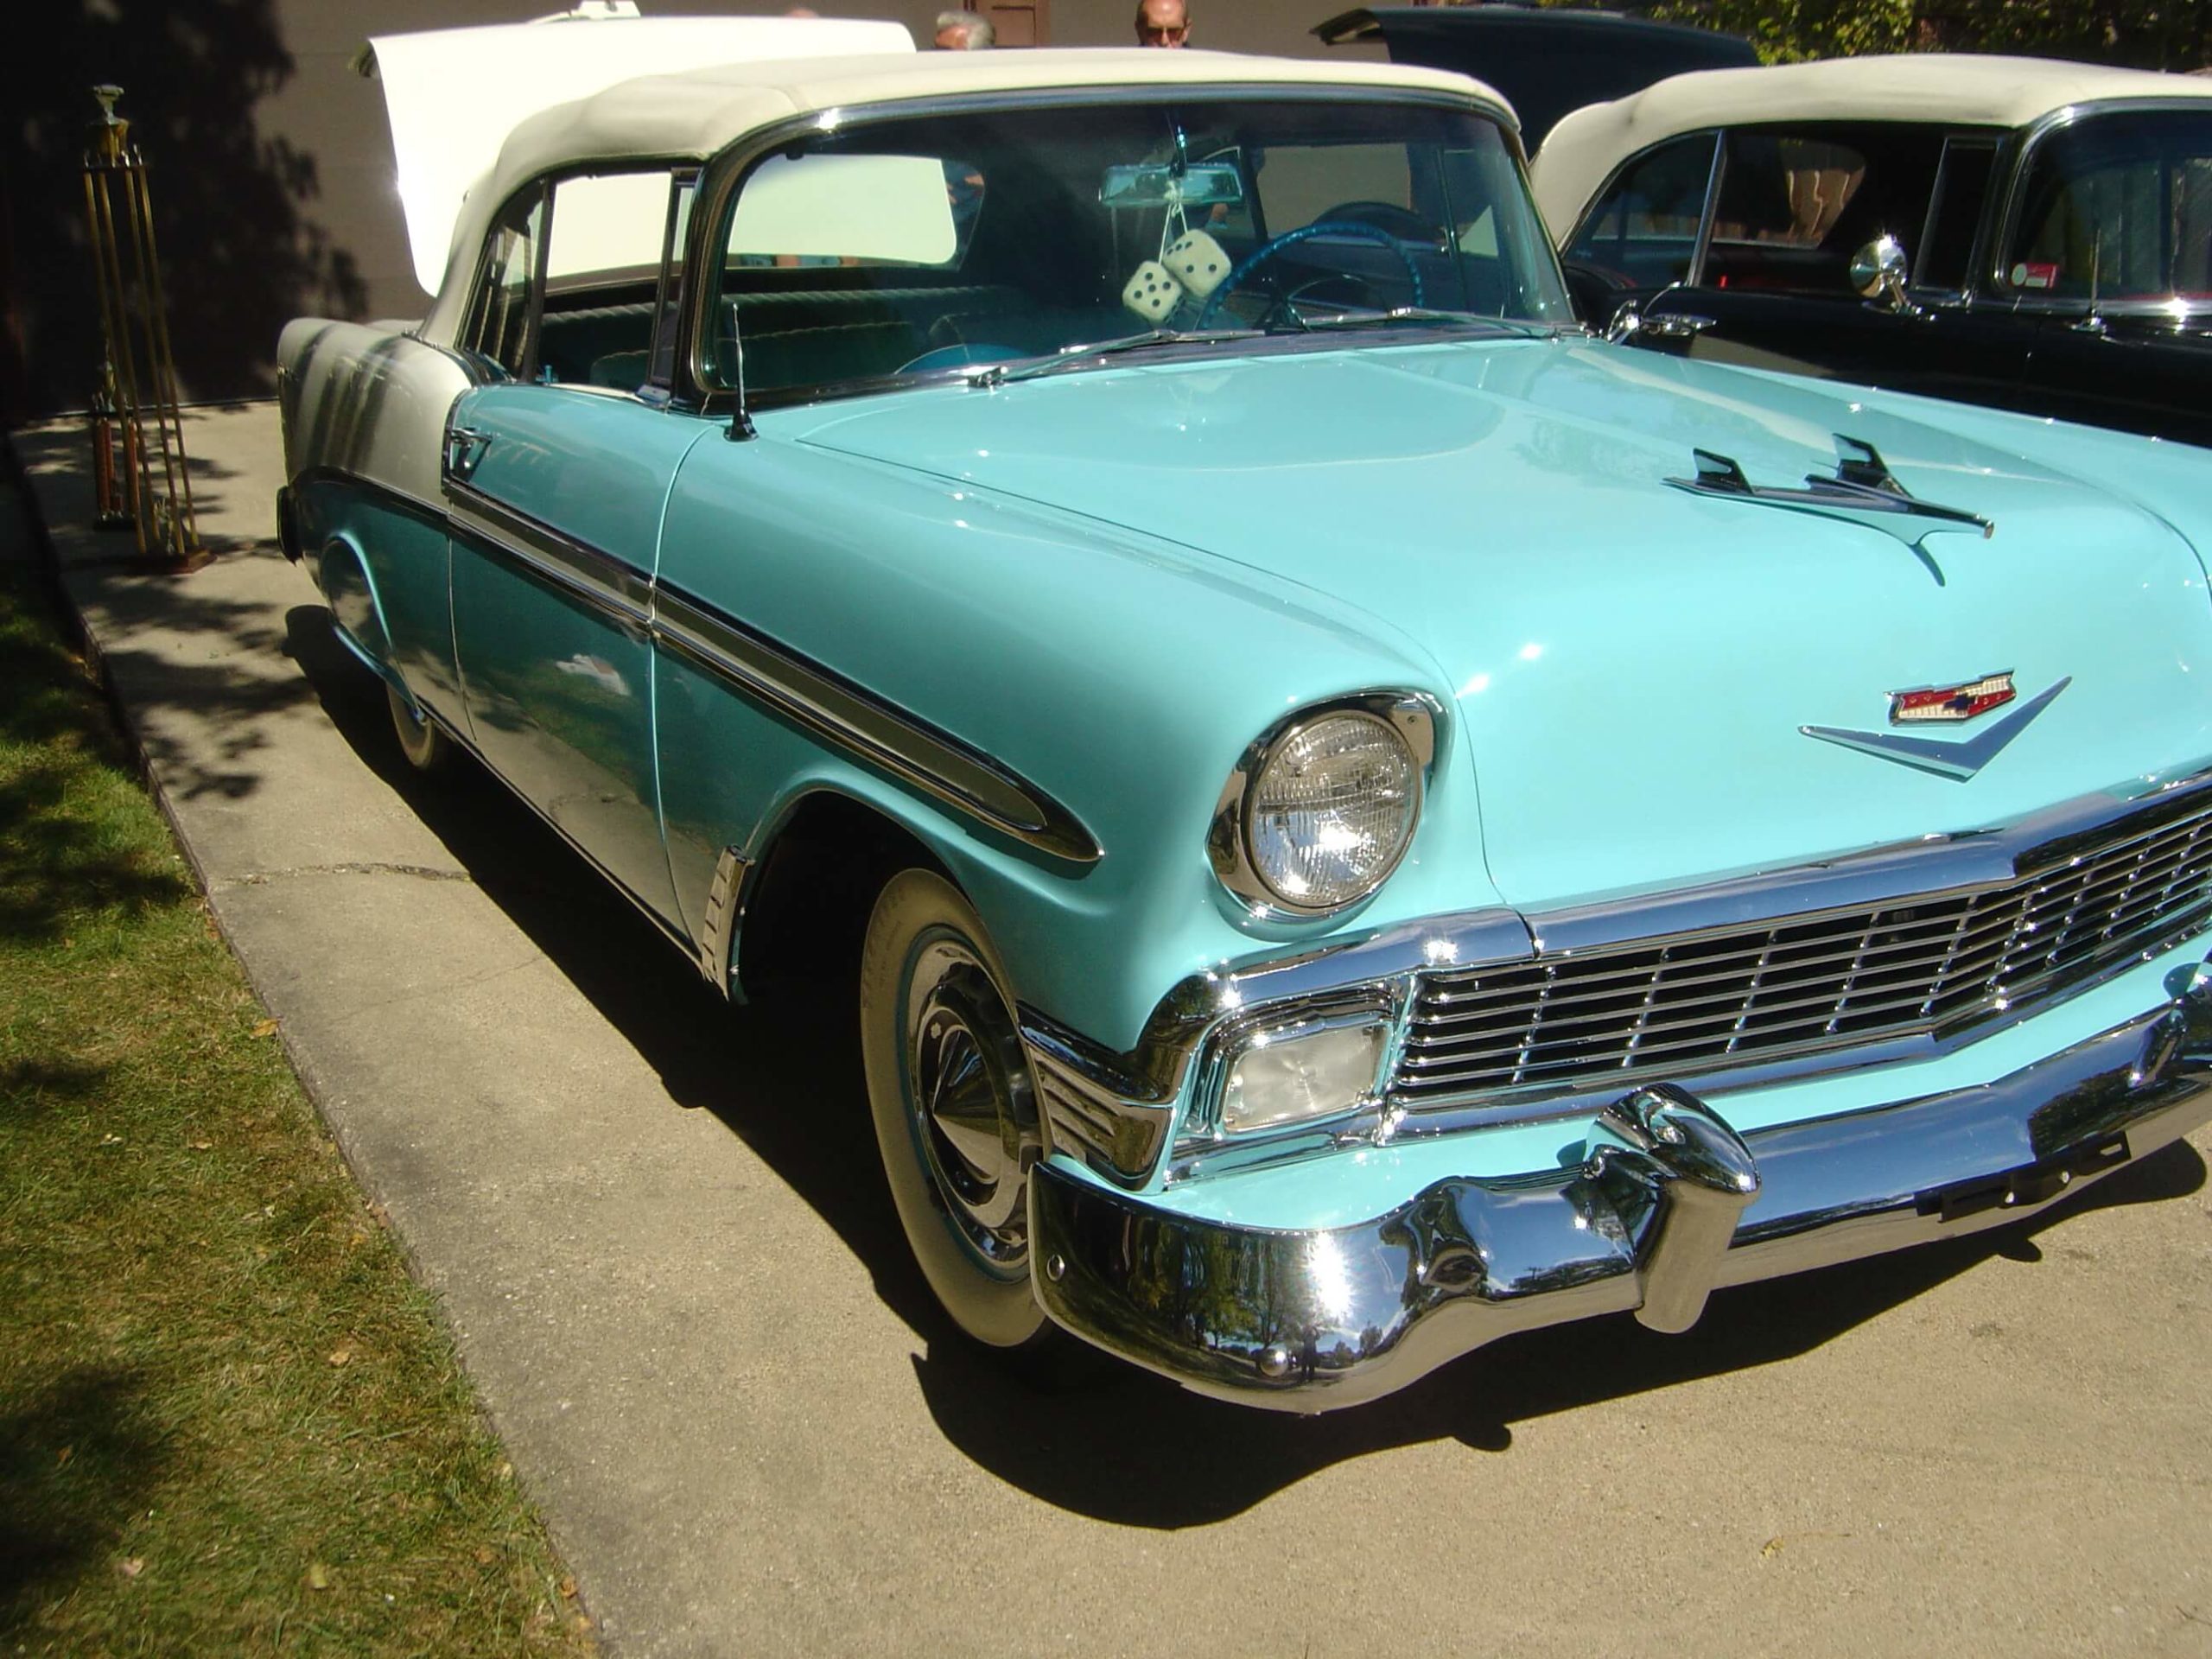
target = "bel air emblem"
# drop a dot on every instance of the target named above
(1951, 701)
(1953, 759)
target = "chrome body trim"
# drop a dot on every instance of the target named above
(1955, 760)
(719, 928)
(611, 586)
(1092, 1110)
(1666, 1204)
(887, 738)
(826, 704)
(1411, 716)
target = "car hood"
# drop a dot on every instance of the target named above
(1629, 665)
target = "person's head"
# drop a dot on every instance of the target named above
(1163, 23)
(964, 31)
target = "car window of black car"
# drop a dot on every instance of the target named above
(2118, 207)
(1644, 230)
(1797, 202)
(1946, 251)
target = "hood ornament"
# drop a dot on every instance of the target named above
(1953, 759)
(1863, 491)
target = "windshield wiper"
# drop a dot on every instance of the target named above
(1517, 326)
(1071, 357)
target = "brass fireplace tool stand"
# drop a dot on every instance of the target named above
(139, 472)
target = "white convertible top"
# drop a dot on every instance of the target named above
(452, 95)
(698, 112)
(1956, 89)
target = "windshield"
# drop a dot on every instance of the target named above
(952, 242)
(2119, 208)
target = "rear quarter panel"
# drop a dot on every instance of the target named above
(365, 407)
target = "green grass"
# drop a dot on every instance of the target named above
(229, 1421)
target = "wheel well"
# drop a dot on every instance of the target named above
(810, 902)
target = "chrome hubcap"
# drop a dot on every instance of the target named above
(967, 1102)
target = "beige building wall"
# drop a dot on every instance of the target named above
(271, 168)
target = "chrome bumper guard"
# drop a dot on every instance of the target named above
(1669, 1203)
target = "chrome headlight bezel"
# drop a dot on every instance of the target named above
(1409, 716)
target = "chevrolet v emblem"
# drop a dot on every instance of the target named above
(1955, 760)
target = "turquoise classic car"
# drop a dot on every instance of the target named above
(1384, 821)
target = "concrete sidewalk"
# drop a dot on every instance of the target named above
(656, 1226)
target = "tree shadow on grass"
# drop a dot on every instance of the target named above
(79, 1454)
(786, 1077)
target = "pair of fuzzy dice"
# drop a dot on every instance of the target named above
(1192, 264)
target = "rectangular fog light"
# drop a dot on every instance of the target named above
(1288, 1076)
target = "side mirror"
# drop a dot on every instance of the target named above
(1879, 271)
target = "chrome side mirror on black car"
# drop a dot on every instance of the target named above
(1880, 271)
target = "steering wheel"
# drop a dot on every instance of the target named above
(1401, 222)
(1275, 245)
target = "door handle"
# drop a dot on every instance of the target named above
(465, 446)
(1679, 324)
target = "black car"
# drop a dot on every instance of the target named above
(2027, 233)
(1547, 59)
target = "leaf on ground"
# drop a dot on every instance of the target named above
(130, 1565)
(266, 1028)
(1769, 1549)
(568, 1587)
(200, 1146)
(341, 1353)
(318, 1576)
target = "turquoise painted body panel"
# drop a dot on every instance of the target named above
(384, 566)
(1610, 645)
(560, 687)
(1121, 674)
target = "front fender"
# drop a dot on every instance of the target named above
(1120, 676)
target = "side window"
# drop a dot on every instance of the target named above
(2119, 207)
(850, 265)
(497, 328)
(1644, 227)
(1946, 250)
(570, 289)
(607, 237)
(1795, 204)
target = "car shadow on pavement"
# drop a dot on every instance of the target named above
(1174, 1458)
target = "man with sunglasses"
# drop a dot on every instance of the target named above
(1163, 23)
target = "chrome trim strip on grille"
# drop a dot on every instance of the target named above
(1704, 1002)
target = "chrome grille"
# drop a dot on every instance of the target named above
(1698, 1003)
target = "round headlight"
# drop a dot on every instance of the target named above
(1331, 809)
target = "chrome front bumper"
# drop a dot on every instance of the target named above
(1667, 1203)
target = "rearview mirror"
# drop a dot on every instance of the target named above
(1166, 184)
